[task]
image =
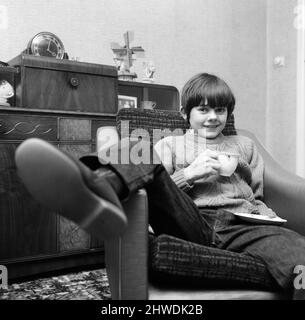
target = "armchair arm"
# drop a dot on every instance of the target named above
(284, 192)
(126, 257)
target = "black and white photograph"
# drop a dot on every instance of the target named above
(152, 150)
(127, 102)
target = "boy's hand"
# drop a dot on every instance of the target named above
(269, 213)
(204, 166)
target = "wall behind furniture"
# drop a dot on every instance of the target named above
(225, 37)
(282, 81)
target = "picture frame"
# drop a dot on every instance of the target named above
(127, 102)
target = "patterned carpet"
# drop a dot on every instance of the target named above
(86, 285)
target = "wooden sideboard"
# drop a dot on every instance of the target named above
(33, 240)
(63, 102)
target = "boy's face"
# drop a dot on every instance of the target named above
(208, 122)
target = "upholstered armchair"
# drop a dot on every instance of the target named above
(143, 266)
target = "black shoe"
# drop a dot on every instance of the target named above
(64, 184)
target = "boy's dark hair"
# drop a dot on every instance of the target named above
(203, 88)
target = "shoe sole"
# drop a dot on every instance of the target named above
(55, 181)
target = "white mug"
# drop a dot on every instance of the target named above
(229, 161)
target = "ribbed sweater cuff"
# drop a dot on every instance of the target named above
(179, 178)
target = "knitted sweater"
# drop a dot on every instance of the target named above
(241, 192)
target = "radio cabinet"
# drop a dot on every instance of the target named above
(48, 83)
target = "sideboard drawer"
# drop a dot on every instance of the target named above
(21, 127)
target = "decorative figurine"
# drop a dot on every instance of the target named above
(6, 92)
(149, 70)
(123, 57)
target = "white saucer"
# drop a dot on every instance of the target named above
(259, 219)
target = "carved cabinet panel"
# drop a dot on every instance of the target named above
(20, 127)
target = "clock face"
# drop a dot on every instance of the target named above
(48, 45)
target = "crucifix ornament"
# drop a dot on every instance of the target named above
(123, 57)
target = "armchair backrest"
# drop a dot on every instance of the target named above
(147, 121)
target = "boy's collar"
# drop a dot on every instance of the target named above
(191, 133)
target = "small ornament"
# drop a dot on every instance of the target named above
(123, 57)
(149, 70)
(6, 92)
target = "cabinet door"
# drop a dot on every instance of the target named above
(70, 235)
(75, 139)
(26, 228)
